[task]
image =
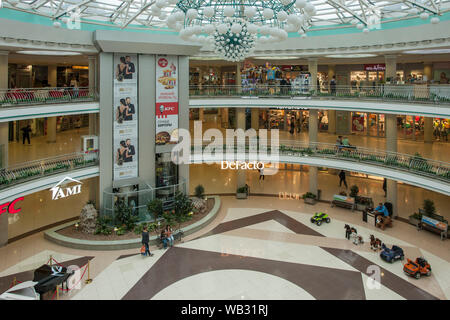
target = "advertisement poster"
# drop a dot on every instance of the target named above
(166, 99)
(125, 113)
(358, 123)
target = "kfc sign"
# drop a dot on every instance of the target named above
(10, 207)
(162, 62)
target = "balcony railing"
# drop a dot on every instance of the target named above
(33, 96)
(37, 169)
(399, 93)
(414, 164)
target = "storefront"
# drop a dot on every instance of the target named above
(45, 208)
(371, 124)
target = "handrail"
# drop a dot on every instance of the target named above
(413, 164)
(436, 94)
(38, 169)
(33, 96)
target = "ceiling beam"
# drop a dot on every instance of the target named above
(145, 7)
(345, 8)
(85, 2)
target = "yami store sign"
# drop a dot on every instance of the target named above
(10, 207)
(58, 192)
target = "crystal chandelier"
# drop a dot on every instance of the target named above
(234, 27)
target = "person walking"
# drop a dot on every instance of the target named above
(26, 133)
(342, 179)
(384, 187)
(333, 86)
(261, 174)
(145, 241)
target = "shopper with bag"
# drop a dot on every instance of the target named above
(145, 240)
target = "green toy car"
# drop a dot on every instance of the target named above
(319, 217)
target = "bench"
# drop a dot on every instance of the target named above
(343, 202)
(435, 223)
(177, 237)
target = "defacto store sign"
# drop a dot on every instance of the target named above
(10, 207)
(58, 192)
(235, 165)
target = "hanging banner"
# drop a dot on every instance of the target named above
(358, 123)
(166, 99)
(125, 113)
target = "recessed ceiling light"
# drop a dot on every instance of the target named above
(49, 53)
(428, 51)
(355, 55)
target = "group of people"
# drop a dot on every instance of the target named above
(125, 152)
(125, 110)
(342, 142)
(166, 238)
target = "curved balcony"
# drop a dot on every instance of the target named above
(39, 96)
(42, 168)
(425, 173)
(420, 93)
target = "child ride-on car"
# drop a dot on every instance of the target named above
(391, 255)
(417, 268)
(319, 217)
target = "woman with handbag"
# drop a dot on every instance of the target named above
(145, 241)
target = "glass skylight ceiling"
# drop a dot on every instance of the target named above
(132, 13)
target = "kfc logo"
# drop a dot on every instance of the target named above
(10, 207)
(162, 62)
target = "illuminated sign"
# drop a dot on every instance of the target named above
(375, 67)
(289, 196)
(10, 206)
(58, 192)
(235, 165)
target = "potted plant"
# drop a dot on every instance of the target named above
(429, 208)
(200, 192)
(242, 192)
(354, 190)
(309, 198)
(415, 218)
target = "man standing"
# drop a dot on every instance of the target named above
(26, 133)
(145, 240)
(333, 86)
(131, 68)
(342, 179)
(131, 152)
(131, 110)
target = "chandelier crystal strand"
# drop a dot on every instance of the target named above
(233, 29)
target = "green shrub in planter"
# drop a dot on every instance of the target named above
(243, 189)
(428, 207)
(199, 191)
(309, 195)
(354, 190)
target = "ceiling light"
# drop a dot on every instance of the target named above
(355, 55)
(49, 53)
(428, 51)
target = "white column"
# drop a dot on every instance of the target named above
(52, 76)
(201, 115)
(313, 125)
(331, 73)
(92, 72)
(51, 129)
(240, 124)
(391, 67)
(238, 77)
(332, 121)
(312, 68)
(391, 145)
(428, 130)
(428, 71)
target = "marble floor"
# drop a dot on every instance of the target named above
(259, 248)
(218, 181)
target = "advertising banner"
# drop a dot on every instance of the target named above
(125, 113)
(358, 123)
(434, 223)
(166, 99)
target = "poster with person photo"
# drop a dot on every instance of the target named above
(125, 159)
(125, 68)
(125, 109)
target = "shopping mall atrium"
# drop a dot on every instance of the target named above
(224, 150)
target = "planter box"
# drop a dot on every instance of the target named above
(241, 195)
(414, 221)
(310, 201)
(361, 207)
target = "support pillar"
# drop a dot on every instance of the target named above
(391, 67)
(428, 71)
(93, 124)
(201, 115)
(332, 121)
(92, 72)
(52, 78)
(313, 125)
(312, 68)
(4, 128)
(225, 118)
(238, 78)
(391, 145)
(255, 118)
(331, 74)
(428, 130)
(241, 176)
(312, 177)
(51, 130)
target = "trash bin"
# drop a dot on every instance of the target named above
(319, 194)
(364, 215)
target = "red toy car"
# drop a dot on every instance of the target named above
(417, 268)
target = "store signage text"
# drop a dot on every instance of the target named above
(58, 192)
(235, 165)
(375, 67)
(289, 196)
(10, 206)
